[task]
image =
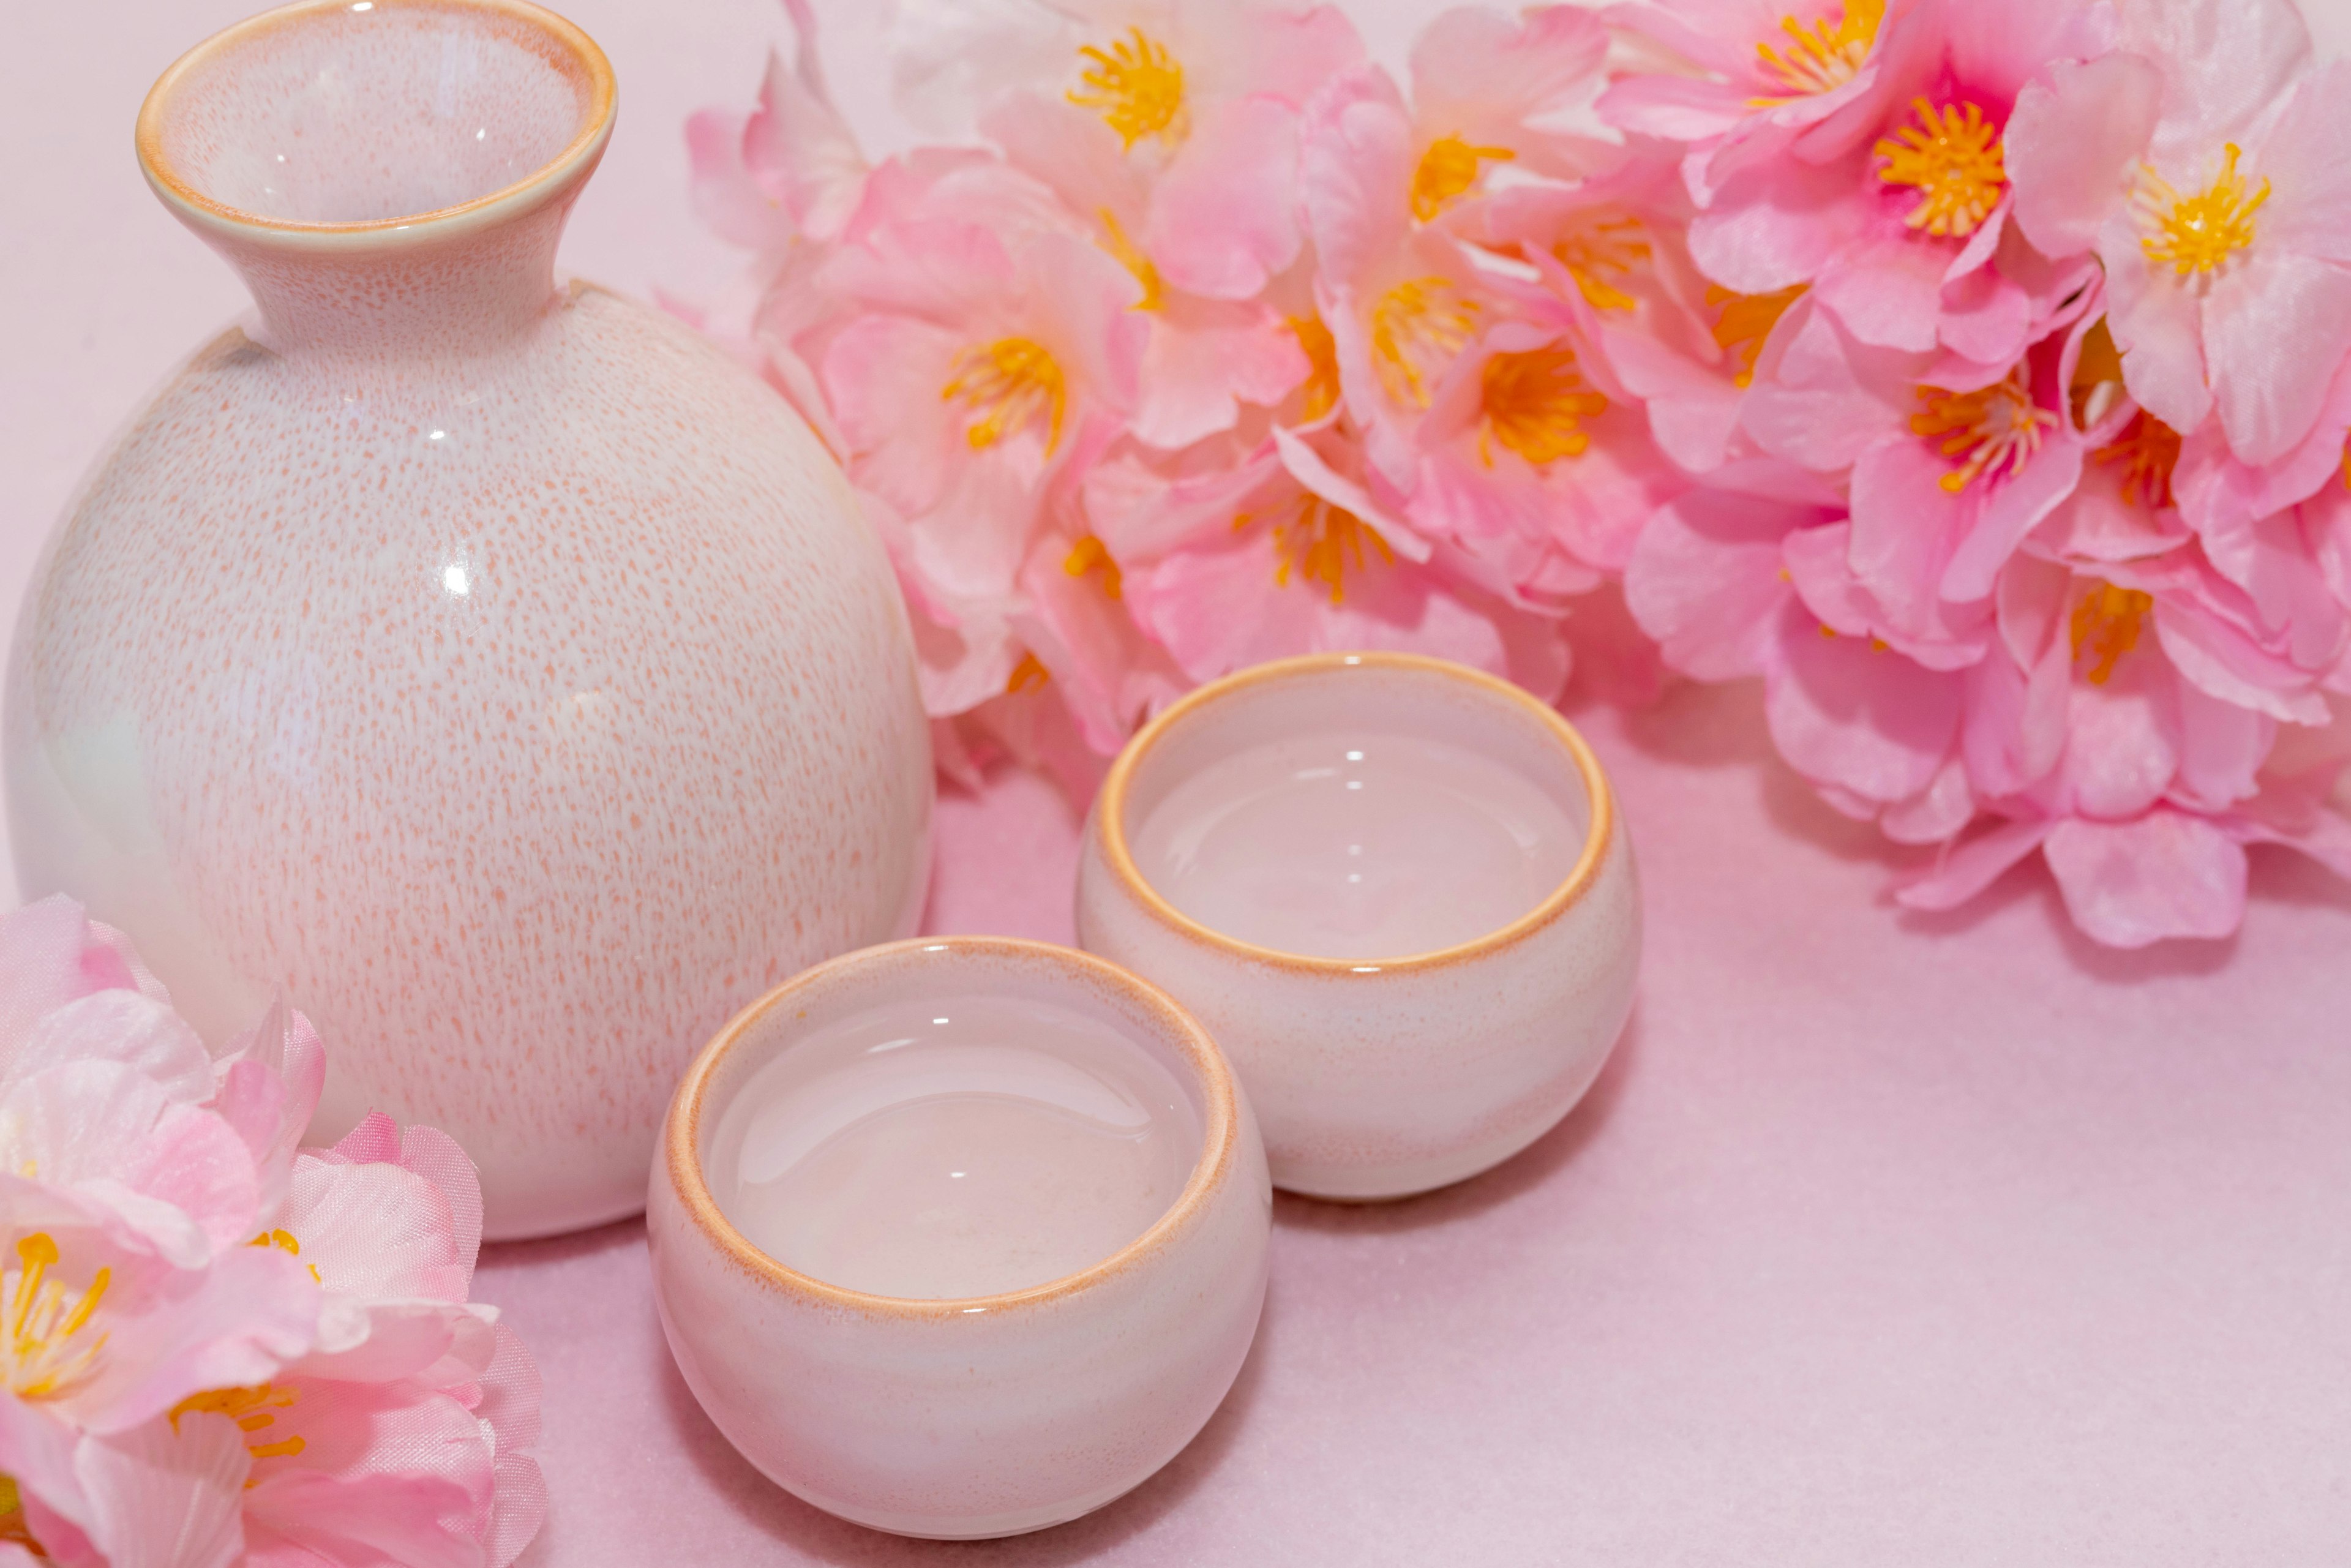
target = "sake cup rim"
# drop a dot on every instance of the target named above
(681, 1129)
(1110, 814)
(565, 38)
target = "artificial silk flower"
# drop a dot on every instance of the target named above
(1206, 358)
(1839, 331)
(1299, 550)
(1535, 463)
(1759, 82)
(982, 364)
(1894, 208)
(788, 168)
(1198, 99)
(2205, 163)
(239, 1351)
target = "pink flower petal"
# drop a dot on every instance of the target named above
(1705, 580)
(2164, 875)
(2071, 145)
(1972, 866)
(2275, 336)
(167, 1493)
(1866, 719)
(1223, 218)
(2158, 326)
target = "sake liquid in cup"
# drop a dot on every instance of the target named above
(1357, 844)
(940, 1148)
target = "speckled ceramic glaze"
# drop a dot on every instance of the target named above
(485, 661)
(987, 1415)
(1389, 1075)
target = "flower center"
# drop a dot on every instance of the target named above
(1416, 326)
(2105, 625)
(1598, 250)
(1009, 383)
(1088, 555)
(1535, 405)
(1983, 429)
(50, 1347)
(1028, 674)
(2148, 449)
(1446, 171)
(284, 1242)
(1321, 385)
(1135, 85)
(1953, 156)
(1747, 320)
(1320, 543)
(2194, 234)
(255, 1412)
(1820, 57)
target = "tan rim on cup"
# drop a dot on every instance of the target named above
(682, 1130)
(1111, 812)
(568, 50)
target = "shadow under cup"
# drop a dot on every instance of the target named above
(1396, 889)
(960, 1237)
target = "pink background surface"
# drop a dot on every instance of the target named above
(1883, 1240)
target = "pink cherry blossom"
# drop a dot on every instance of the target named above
(2204, 162)
(1292, 553)
(1866, 162)
(787, 169)
(176, 1395)
(984, 369)
(1207, 357)
(1199, 97)
(2092, 741)
(404, 1436)
(1381, 183)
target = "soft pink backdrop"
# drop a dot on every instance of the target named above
(1883, 1241)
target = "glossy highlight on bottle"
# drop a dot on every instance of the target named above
(935, 1149)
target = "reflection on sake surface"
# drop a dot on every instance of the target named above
(1348, 845)
(962, 1147)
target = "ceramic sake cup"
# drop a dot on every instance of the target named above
(985, 1416)
(1385, 1075)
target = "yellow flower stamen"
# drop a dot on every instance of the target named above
(1320, 388)
(1028, 673)
(48, 1351)
(1089, 555)
(2107, 623)
(1131, 256)
(1135, 85)
(1820, 59)
(253, 1409)
(1415, 327)
(1746, 321)
(2194, 234)
(1599, 249)
(1993, 425)
(284, 1241)
(1009, 383)
(1953, 156)
(14, 1531)
(2148, 449)
(1535, 403)
(1446, 171)
(1320, 542)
